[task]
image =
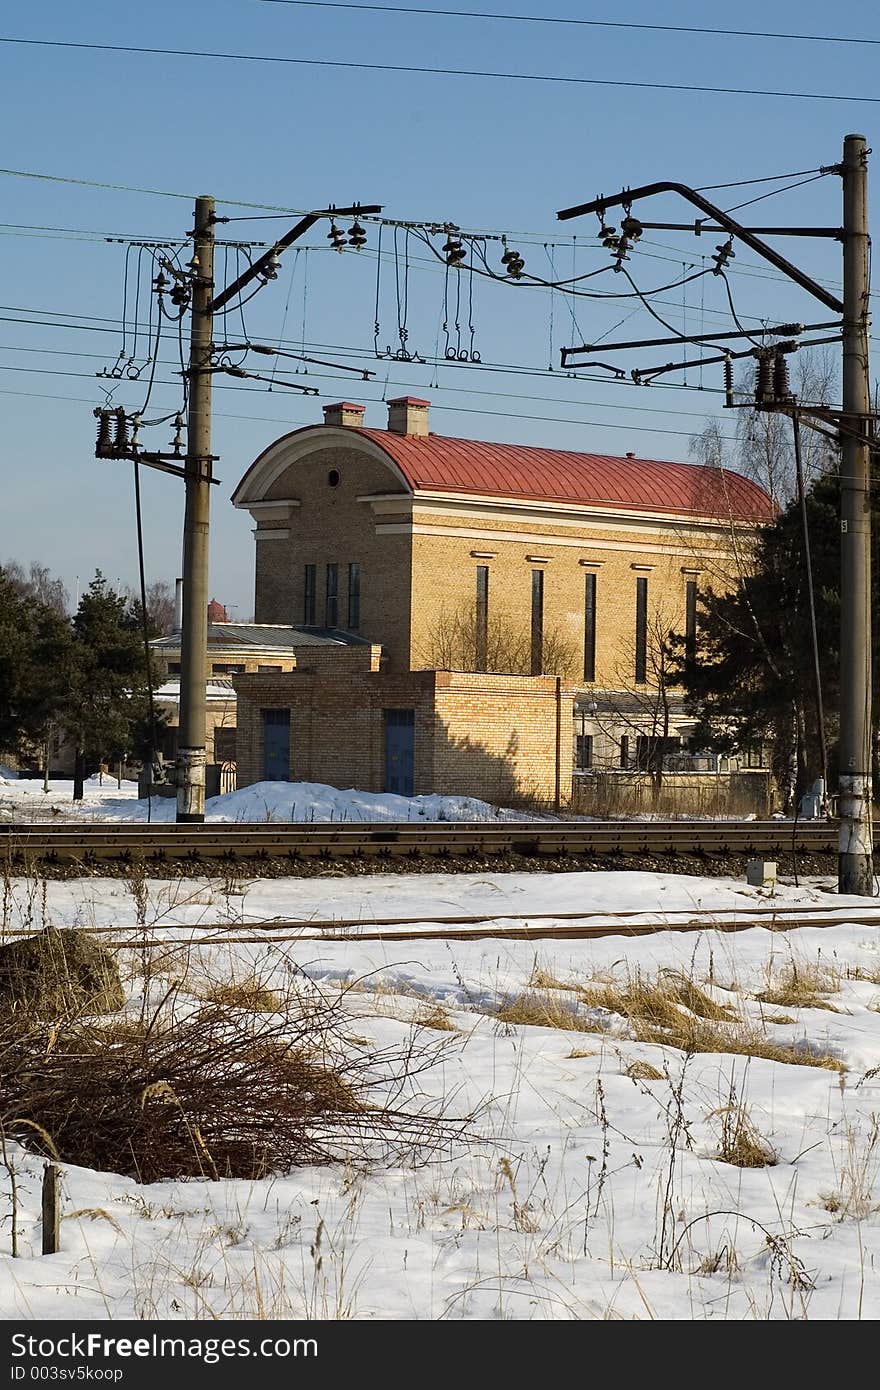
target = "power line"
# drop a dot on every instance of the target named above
(421, 70)
(579, 23)
(449, 390)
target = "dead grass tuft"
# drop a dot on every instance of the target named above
(535, 1010)
(801, 986)
(244, 994)
(643, 1071)
(657, 1013)
(541, 979)
(435, 1017)
(740, 1143)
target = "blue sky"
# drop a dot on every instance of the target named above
(499, 156)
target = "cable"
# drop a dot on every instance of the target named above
(146, 631)
(420, 70)
(583, 23)
(451, 390)
(733, 312)
(784, 189)
(808, 558)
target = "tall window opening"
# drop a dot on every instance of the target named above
(589, 627)
(641, 662)
(481, 643)
(331, 601)
(537, 622)
(354, 597)
(690, 621)
(309, 595)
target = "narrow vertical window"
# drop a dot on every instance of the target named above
(624, 750)
(690, 621)
(309, 596)
(481, 634)
(584, 751)
(331, 604)
(354, 597)
(537, 622)
(589, 627)
(641, 662)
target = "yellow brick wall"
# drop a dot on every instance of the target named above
(495, 737)
(331, 526)
(445, 575)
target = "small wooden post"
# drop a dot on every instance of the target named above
(51, 1208)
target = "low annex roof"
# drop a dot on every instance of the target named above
(266, 637)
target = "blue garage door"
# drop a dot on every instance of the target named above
(276, 745)
(400, 751)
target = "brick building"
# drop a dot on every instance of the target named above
(233, 649)
(341, 718)
(484, 557)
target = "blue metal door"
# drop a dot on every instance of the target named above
(400, 751)
(276, 745)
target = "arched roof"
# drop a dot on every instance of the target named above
(435, 463)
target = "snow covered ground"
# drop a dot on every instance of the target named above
(593, 1184)
(24, 798)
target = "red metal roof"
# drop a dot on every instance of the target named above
(438, 464)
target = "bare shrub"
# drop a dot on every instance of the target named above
(214, 1093)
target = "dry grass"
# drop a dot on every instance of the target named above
(857, 1174)
(673, 1011)
(541, 979)
(533, 1009)
(801, 986)
(435, 1017)
(578, 1052)
(658, 1003)
(670, 1010)
(643, 1071)
(244, 994)
(740, 1143)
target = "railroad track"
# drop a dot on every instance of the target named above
(570, 926)
(92, 842)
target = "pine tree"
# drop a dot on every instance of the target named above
(752, 679)
(107, 687)
(35, 655)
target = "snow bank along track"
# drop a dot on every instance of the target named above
(571, 926)
(91, 842)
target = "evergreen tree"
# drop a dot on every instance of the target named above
(35, 658)
(752, 680)
(107, 688)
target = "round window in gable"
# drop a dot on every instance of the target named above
(333, 478)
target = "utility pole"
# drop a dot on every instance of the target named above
(114, 441)
(194, 635)
(852, 427)
(856, 861)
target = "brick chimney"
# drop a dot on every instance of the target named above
(216, 612)
(408, 415)
(344, 413)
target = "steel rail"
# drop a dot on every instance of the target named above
(561, 926)
(95, 840)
